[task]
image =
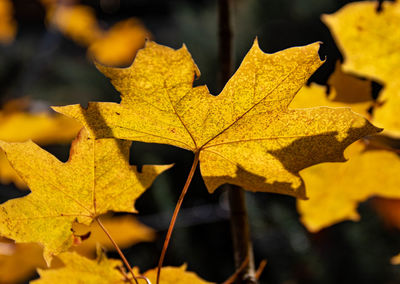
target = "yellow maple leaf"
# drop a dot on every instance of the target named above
(43, 128)
(246, 135)
(8, 26)
(334, 190)
(19, 262)
(357, 26)
(81, 189)
(79, 269)
(175, 275)
(126, 231)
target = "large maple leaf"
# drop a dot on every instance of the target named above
(81, 189)
(246, 135)
(359, 25)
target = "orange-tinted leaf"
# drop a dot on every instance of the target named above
(8, 26)
(116, 46)
(389, 210)
(18, 262)
(246, 135)
(78, 22)
(96, 179)
(119, 44)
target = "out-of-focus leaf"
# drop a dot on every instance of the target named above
(369, 41)
(8, 26)
(125, 230)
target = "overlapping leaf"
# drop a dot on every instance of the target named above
(79, 269)
(97, 178)
(246, 135)
(335, 190)
(369, 41)
(19, 262)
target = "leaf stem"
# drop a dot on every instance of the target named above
(117, 248)
(175, 214)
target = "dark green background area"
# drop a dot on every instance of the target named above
(53, 70)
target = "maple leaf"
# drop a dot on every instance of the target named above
(246, 135)
(81, 189)
(8, 26)
(126, 231)
(79, 269)
(359, 25)
(19, 262)
(17, 125)
(334, 190)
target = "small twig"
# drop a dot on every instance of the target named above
(175, 215)
(260, 268)
(117, 248)
(232, 279)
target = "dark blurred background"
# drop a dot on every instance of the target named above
(53, 70)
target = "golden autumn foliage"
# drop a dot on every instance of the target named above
(368, 40)
(17, 125)
(335, 190)
(116, 46)
(8, 26)
(20, 261)
(246, 135)
(81, 189)
(79, 269)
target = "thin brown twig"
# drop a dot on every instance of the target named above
(260, 268)
(232, 279)
(175, 215)
(117, 248)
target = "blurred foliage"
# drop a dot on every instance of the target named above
(52, 69)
